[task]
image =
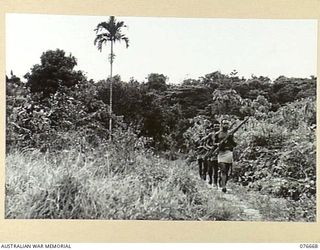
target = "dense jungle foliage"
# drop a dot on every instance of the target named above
(57, 133)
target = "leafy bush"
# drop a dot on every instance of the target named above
(277, 154)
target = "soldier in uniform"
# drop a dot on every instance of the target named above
(225, 155)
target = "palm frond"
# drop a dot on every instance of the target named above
(101, 26)
(119, 37)
(126, 39)
(99, 42)
(120, 25)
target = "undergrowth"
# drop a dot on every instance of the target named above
(73, 185)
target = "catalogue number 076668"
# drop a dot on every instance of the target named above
(307, 246)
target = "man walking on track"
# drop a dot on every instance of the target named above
(212, 160)
(200, 152)
(225, 155)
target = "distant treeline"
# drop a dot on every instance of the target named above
(154, 108)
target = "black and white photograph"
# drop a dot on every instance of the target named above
(160, 118)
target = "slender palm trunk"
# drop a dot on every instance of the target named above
(110, 104)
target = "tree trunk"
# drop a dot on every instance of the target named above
(110, 103)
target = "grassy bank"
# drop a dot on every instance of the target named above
(73, 185)
(70, 185)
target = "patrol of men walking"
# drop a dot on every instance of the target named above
(215, 153)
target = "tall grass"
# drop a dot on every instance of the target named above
(73, 185)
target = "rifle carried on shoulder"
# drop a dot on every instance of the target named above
(229, 134)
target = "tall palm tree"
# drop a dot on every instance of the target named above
(110, 32)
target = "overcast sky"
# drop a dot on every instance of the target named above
(179, 48)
